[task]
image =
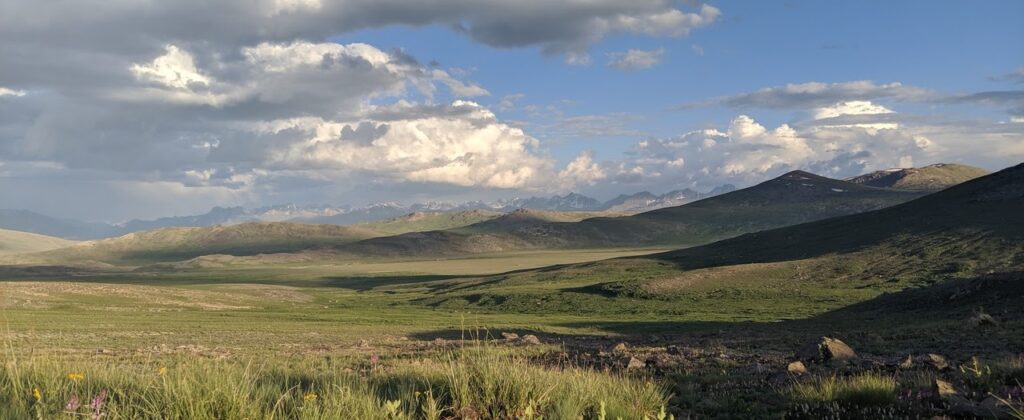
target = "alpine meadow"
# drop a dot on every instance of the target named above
(483, 209)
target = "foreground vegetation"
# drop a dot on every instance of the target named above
(468, 382)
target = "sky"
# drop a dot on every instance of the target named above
(119, 109)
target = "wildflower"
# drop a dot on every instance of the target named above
(310, 396)
(73, 404)
(76, 376)
(97, 405)
(162, 371)
(37, 394)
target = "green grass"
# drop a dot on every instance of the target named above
(253, 339)
(862, 390)
(423, 221)
(490, 382)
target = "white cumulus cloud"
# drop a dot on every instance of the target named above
(633, 60)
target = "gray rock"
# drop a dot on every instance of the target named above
(796, 368)
(529, 340)
(635, 363)
(943, 389)
(826, 349)
(509, 336)
(934, 360)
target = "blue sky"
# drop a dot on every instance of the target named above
(954, 46)
(951, 46)
(177, 108)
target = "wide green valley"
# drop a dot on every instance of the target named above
(511, 210)
(294, 321)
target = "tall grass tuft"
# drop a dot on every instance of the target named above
(486, 382)
(864, 390)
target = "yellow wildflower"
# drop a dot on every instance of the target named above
(310, 396)
(162, 371)
(37, 394)
(76, 376)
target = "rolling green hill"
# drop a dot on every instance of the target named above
(174, 244)
(15, 242)
(424, 221)
(957, 235)
(929, 178)
(793, 198)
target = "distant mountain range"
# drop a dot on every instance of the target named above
(925, 179)
(792, 199)
(27, 221)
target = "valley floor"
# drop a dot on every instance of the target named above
(423, 339)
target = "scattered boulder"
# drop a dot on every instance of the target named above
(934, 360)
(943, 389)
(620, 348)
(796, 368)
(509, 336)
(826, 349)
(529, 340)
(635, 363)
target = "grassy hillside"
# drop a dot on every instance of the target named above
(15, 242)
(793, 198)
(173, 244)
(929, 178)
(955, 235)
(423, 221)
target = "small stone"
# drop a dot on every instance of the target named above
(635, 363)
(529, 340)
(907, 363)
(826, 349)
(944, 389)
(509, 336)
(620, 348)
(796, 368)
(934, 360)
(102, 351)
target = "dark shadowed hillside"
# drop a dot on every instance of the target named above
(793, 198)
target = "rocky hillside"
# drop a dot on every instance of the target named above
(929, 178)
